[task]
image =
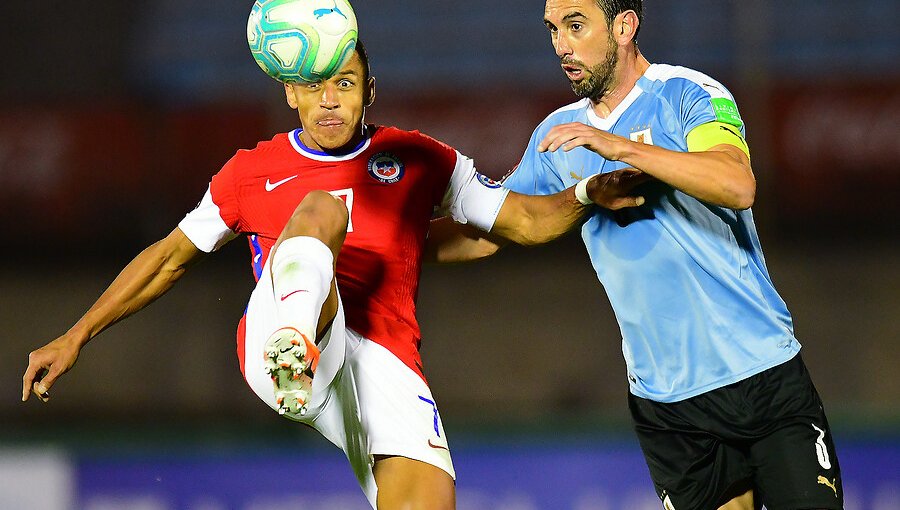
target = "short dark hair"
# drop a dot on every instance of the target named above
(612, 8)
(363, 58)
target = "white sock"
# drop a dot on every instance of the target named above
(302, 270)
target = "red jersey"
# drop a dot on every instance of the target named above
(392, 183)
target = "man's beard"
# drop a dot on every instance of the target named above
(600, 77)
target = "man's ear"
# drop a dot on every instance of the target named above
(289, 95)
(626, 26)
(369, 96)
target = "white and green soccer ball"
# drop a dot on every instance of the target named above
(296, 41)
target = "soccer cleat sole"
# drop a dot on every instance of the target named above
(291, 361)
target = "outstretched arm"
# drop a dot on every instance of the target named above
(147, 277)
(537, 219)
(532, 219)
(720, 175)
(449, 242)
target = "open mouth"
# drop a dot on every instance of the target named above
(573, 72)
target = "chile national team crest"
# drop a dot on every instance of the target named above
(386, 168)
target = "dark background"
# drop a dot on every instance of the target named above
(114, 115)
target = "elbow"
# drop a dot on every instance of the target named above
(745, 196)
(486, 249)
(740, 193)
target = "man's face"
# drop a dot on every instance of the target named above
(331, 111)
(584, 44)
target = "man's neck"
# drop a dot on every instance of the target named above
(632, 67)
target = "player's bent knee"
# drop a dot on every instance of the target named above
(319, 215)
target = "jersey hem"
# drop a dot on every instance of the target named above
(678, 397)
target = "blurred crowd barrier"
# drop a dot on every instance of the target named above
(113, 172)
(836, 161)
(118, 173)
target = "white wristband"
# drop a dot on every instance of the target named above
(581, 191)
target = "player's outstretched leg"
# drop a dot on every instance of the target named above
(302, 265)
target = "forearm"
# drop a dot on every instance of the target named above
(718, 177)
(530, 220)
(450, 242)
(148, 276)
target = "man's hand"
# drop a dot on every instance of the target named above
(576, 134)
(46, 364)
(615, 190)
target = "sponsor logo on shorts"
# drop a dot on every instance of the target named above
(831, 484)
(487, 181)
(386, 168)
(821, 449)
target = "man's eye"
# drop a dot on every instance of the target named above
(575, 27)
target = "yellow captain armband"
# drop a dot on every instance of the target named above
(708, 135)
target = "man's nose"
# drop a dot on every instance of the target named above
(329, 97)
(563, 47)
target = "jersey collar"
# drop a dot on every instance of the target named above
(303, 150)
(607, 123)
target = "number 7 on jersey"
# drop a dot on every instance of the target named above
(347, 196)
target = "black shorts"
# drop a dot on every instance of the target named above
(767, 433)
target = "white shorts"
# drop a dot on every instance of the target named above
(364, 399)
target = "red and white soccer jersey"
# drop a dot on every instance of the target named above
(392, 183)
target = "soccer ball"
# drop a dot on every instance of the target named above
(296, 41)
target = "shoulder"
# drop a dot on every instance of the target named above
(396, 136)
(569, 113)
(411, 143)
(275, 148)
(668, 82)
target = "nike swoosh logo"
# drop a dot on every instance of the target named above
(292, 293)
(272, 185)
(437, 446)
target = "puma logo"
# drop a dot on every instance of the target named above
(318, 13)
(579, 176)
(830, 484)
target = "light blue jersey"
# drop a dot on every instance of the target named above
(687, 280)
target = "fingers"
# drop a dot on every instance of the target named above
(564, 135)
(634, 201)
(624, 202)
(42, 386)
(566, 141)
(29, 378)
(36, 379)
(42, 392)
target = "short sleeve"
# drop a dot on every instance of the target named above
(472, 197)
(215, 220)
(706, 102)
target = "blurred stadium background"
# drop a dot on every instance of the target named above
(113, 116)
